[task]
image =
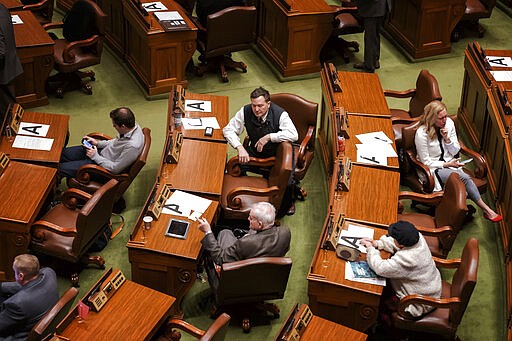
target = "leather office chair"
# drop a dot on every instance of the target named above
(474, 11)
(242, 289)
(418, 176)
(219, 39)
(441, 230)
(88, 177)
(42, 10)
(241, 192)
(216, 332)
(67, 231)
(303, 114)
(442, 323)
(426, 90)
(46, 326)
(83, 30)
(345, 22)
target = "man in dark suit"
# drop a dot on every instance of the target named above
(24, 302)
(372, 13)
(207, 7)
(264, 239)
(10, 66)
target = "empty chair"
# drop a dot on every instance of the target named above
(474, 11)
(83, 30)
(229, 30)
(442, 323)
(42, 10)
(91, 177)
(216, 332)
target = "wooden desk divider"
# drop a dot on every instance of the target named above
(155, 207)
(503, 98)
(296, 323)
(333, 232)
(4, 161)
(175, 143)
(345, 168)
(333, 77)
(342, 122)
(15, 115)
(479, 55)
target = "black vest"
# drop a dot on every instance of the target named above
(256, 130)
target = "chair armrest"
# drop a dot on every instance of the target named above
(424, 173)
(38, 6)
(431, 198)
(68, 56)
(83, 175)
(99, 136)
(421, 299)
(233, 165)
(71, 197)
(186, 327)
(480, 169)
(438, 232)
(400, 94)
(447, 263)
(404, 121)
(301, 158)
(235, 203)
(68, 231)
(53, 25)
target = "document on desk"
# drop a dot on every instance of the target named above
(33, 129)
(199, 123)
(355, 232)
(198, 105)
(502, 76)
(35, 143)
(16, 19)
(361, 272)
(496, 61)
(371, 156)
(154, 6)
(377, 136)
(171, 21)
(186, 205)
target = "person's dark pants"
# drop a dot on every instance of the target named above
(71, 160)
(372, 28)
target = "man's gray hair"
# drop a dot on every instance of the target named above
(264, 212)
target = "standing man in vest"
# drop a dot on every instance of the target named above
(267, 125)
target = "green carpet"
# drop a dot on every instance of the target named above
(114, 86)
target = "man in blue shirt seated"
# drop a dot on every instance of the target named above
(24, 302)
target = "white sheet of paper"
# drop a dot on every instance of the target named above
(356, 231)
(16, 19)
(349, 275)
(502, 76)
(371, 157)
(154, 6)
(496, 61)
(186, 204)
(29, 142)
(199, 123)
(198, 105)
(378, 147)
(172, 15)
(33, 129)
(376, 136)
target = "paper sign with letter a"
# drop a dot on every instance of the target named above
(198, 105)
(33, 129)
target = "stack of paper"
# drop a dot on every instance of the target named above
(36, 139)
(361, 272)
(186, 205)
(375, 148)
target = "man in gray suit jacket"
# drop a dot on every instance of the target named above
(24, 302)
(373, 13)
(263, 240)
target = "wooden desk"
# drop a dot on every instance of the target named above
(25, 188)
(220, 110)
(292, 39)
(361, 124)
(134, 312)
(331, 296)
(411, 24)
(35, 50)
(58, 131)
(200, 169)
(163, 263)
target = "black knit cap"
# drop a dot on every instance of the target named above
(404, 232)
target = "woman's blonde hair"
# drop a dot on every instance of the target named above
(429, 117)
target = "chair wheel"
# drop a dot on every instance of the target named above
(87, 88)
(59, 93)
(246, 325)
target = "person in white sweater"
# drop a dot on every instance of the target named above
(437, 146)
(410, 269)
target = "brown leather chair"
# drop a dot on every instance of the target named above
(67, 231)
(345, 22)
(441, 230)
(83, 30)
(219, 39)
(241, 288)
(426, 90)
(88, 176)
(241, 192)
(442, 322)
(46, 326)
(303, 114)
(216, 332)
(474, 11)
(418, 176)
(42, 10)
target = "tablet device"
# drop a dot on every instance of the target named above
(177, 229)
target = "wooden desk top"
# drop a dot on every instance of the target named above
(220, 109)
(134, 312)
(362, 93)
(330, 331)
(373, 195)
(156, 239)
(12, 5)
(24, 188)
(306, 7)
(200, 168)
(30, 33)
(58, 131)
(361, 124)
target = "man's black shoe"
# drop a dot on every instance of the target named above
(362, 66)
(377, 64)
